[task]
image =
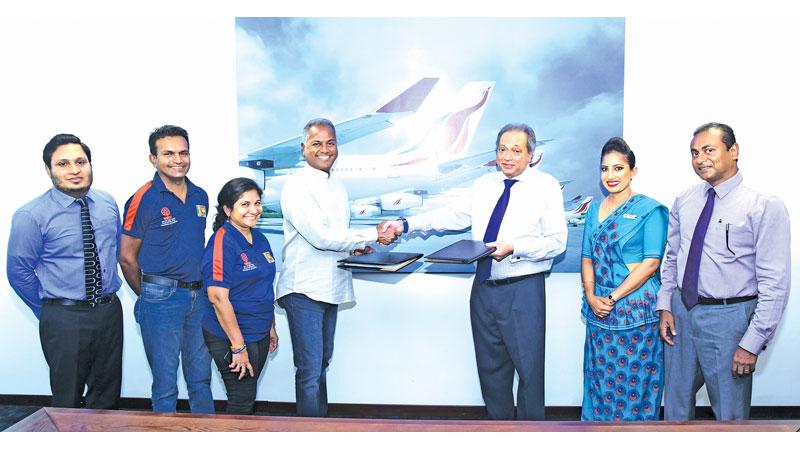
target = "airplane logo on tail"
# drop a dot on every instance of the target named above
(578, 215)
(451, 135)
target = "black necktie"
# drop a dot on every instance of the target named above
(692, 270)
(484, 269)
(91, 259)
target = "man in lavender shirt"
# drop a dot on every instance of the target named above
(742, 287)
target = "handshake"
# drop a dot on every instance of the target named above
(389, 231)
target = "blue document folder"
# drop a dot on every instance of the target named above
(464, 251)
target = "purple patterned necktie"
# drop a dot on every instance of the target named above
(484, 269)
(692, 270)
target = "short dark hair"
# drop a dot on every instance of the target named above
(618, 145)
(228, 195)
(728, 138)
(517, 127)
(166, 131)
(316, 123)
(59, 140)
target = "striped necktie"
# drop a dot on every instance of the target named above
(484, 269)
(93, 277)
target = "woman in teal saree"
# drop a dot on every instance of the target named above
(623, 241)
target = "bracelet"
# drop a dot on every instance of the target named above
(236, 351)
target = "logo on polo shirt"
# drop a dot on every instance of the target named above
(247, 264)
(167, 217)
(269, 257)
(201, 210)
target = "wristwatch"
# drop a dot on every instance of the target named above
(405, 224)
(611, 297)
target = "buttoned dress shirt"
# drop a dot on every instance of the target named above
(533, 223)
(45, 248)
(317, 234)
(746, 251)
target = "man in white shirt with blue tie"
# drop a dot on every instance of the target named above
(520, 211)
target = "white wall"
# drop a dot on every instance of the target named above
(407, 341)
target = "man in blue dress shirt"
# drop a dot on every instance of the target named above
(725, 280)
(163, 239)
(56, 242)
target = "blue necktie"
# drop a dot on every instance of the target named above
(93, 278)
(692, 270)
(484, 269)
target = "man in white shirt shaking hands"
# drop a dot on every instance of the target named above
(520, 211)
(317, 233)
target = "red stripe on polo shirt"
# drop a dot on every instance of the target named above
(218, 244)
(133, 208)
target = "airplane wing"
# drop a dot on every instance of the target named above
(286, 154)
(480, 159)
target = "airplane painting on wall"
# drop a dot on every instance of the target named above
(417, 104)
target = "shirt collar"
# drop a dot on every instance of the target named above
(65, 200)
(236, 234)
(158, 183)
(726, 186)
(523, 177)
(316, 173)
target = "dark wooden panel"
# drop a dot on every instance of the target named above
(94, 420)
(38, 421)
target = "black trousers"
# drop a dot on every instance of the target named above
(508, 333)
(241, 393)
(83, 347)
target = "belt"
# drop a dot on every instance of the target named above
(509, 280)
(725, 301)
(169, 282)
(83, 303)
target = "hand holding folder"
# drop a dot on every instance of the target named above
(464, 251)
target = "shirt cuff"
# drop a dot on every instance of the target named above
(414, 224)
(664, 303)
(752, 342)
(371, 235)
(519, 253)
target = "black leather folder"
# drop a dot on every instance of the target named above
(384, 261)
(464, 251)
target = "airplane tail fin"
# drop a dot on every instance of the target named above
(451, 135)
(456, 129)
(411, 99)
(583, 207)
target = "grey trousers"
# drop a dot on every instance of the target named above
(508, 324)
(707, 338)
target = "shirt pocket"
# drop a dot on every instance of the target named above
(729, 240)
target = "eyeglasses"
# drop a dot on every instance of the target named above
(515, 152)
